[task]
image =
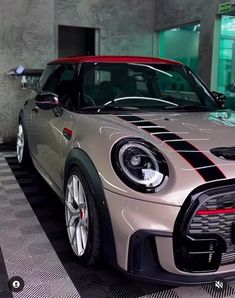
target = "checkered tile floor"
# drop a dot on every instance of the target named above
(34, 246)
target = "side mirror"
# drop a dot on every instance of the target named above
(47, 100)
(220, 97)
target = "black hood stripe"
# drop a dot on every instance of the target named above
(200, 162)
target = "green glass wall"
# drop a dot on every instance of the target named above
(226, 70)
(181, 44)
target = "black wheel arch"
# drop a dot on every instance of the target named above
(79, 158)
(21, 116)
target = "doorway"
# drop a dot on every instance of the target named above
(76, 41)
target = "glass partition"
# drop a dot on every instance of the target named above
(181, 44)
(226, 71)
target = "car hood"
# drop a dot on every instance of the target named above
(185, 139)
(203, 130)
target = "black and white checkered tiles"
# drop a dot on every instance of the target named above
(34, 246)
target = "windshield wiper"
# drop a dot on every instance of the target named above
(170, 97)
(105, 108)
(190, 107)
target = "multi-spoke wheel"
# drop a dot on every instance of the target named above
(81, 218)
(20, 143)
(22, 152)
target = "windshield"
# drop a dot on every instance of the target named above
(136, 86)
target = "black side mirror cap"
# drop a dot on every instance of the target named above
(47, 100)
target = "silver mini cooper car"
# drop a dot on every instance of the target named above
(142, 155)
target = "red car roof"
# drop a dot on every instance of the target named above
(117, 59)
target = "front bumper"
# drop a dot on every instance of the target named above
(130, 215)
(204, 239)
(150, 239)
(145, 264)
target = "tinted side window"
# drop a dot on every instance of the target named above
(61, 81)
(47, 73)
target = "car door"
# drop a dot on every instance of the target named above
(31, 109)
(49, 125)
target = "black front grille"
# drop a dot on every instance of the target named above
(205, 229)
(215, 224)
(220, 224)
(228, 258)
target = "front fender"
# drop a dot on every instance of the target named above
(77, 157)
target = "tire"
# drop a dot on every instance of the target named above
(81, 218)
(22, 151)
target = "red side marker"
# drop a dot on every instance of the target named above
(67, 133)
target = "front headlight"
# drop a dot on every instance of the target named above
(140, 165)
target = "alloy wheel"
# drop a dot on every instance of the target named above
(20, 143)
(76, 214)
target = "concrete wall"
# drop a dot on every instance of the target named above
(26, 37)
(29, 36)
(126, 26)
(171, 13)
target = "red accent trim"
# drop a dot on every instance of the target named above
(68, 131)
(196, 149)
(217, 211)
(81, 213)
(44, 102)
(214, 165)
(120, 59)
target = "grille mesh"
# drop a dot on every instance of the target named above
(220, 224)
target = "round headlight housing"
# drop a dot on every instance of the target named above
(140, 165)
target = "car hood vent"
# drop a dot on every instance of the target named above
(224, 152)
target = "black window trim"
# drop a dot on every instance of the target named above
(75, 78)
